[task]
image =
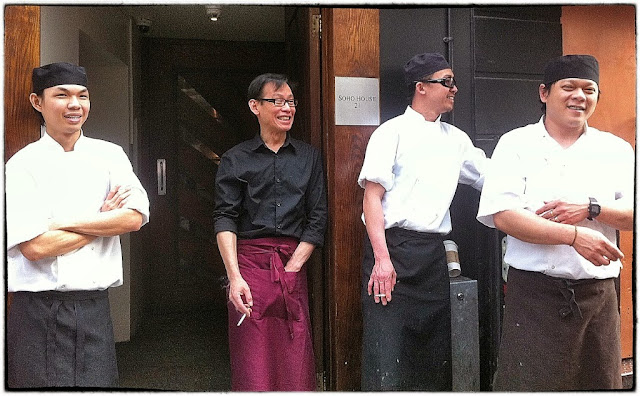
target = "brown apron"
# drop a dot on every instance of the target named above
(559, 334)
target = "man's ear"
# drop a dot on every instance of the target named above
(36, 101)
(543, 93)
(253, 106)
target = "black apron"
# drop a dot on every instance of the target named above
(61, 339)
(406, 344)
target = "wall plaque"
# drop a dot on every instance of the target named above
(357, 101)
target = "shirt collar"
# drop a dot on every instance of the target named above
(417, 117)
(545, 133)
(52, 144)
(257, 143)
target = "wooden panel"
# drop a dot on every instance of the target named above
(350, 49)
(609, 34)
(21, 55)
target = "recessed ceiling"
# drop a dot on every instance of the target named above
(236, 22)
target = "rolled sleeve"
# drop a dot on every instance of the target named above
(380, 158)
(625, 173)
(121, 174)
(228, 198)
(26, 217)
(316, 205)
(139, 201)
(503, 187)
(474, 165)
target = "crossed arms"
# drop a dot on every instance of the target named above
(66, 235)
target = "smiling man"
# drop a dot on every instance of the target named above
(560, 189)
(69, 197)
(270, 214)
(411, 171)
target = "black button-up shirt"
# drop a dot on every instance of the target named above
(260, 193)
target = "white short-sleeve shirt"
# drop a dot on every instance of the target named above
(529, 167)
(420, 163)
(43, 182)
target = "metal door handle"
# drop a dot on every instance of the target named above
(161, 166)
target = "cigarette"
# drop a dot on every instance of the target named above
(380, 295)
(241, 319)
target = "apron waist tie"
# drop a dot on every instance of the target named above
(567, 288)
(278, 275)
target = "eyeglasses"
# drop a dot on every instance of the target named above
(279, 102)
(448, 82)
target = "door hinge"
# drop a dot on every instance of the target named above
(316, 27)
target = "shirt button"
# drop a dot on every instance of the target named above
(278, 204)
(277, 180)
(279, 226)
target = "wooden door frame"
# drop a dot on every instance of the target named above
(21, 56)
(350, 48)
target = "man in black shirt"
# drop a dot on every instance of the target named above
(270, 214)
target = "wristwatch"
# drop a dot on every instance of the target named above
(594, 208)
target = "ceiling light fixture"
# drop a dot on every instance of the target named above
(213, 12)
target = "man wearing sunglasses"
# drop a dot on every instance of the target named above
(411, 170)
(271, 213)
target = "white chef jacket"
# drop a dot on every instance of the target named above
(420, 163)
(529, 167)
(44, 182)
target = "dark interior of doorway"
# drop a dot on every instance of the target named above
(177, 352)
(194, 109)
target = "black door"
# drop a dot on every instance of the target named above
(497, 54)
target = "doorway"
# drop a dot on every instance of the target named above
(194, 109)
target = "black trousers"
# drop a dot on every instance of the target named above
(406, 344)
(57, 339)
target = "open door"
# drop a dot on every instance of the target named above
(304, 67)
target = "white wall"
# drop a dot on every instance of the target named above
(98, 38)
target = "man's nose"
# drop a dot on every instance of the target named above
(74, 102)
(579, 94)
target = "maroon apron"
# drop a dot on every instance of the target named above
(272, 350)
